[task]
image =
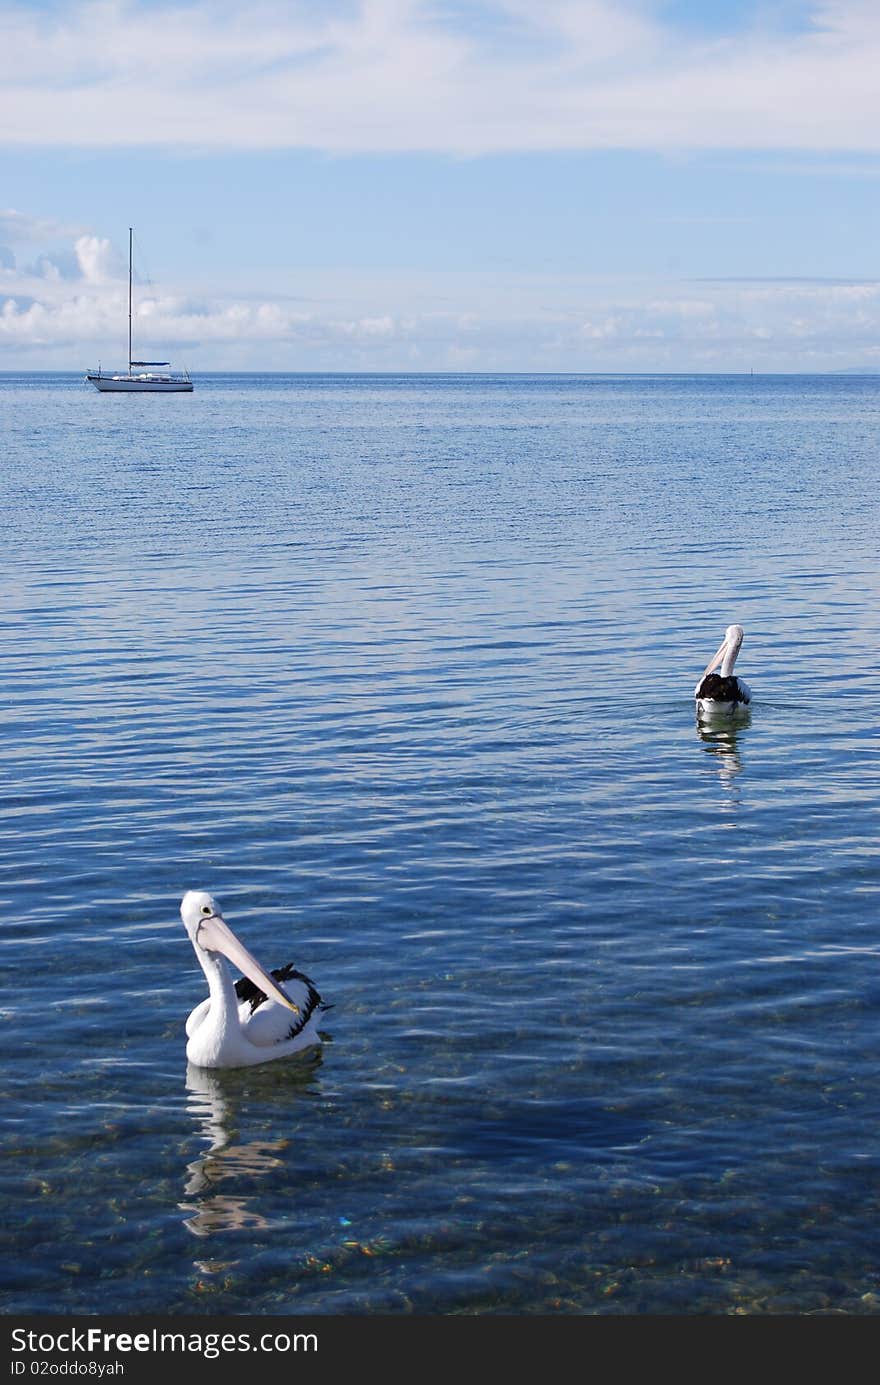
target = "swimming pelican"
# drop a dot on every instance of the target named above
(723, 692)
(255, 1020)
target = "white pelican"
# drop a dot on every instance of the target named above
(723, 692)
(255, 1020)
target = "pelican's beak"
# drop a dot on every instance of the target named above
(216, 935)
(716, 658)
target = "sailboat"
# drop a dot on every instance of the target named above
(142, 375)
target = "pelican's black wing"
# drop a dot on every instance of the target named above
(251, 994)
(721, 689)
(246, 990)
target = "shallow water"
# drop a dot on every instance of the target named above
(402, 669)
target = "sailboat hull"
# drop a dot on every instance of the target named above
(132, 384)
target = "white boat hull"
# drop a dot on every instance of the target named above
(133, 384)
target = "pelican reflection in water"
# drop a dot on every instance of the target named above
(217, 1188)
(721, 740)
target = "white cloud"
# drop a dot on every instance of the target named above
(377, 75)
(88, 258)
(98, 261)
(371, 326)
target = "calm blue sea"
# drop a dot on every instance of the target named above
(401, 668)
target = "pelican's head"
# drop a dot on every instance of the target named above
(196, 907)
(209, 934)
(727, 650)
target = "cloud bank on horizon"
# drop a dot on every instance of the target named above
(456, 79)
(63, 303)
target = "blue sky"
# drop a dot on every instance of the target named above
(393, 184)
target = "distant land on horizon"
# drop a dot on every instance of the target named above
(586, 374)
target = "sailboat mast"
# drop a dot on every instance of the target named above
(129, 300)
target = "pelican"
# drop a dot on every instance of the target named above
(255, 1020)
(723, 692)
